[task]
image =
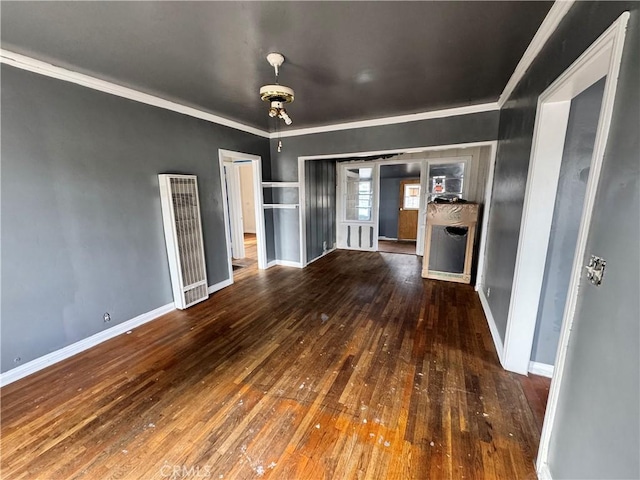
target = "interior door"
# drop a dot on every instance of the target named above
(358, 206)
(409, 208)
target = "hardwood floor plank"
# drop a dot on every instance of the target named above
(353, 368)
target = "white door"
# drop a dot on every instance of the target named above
(234, 204)
(358, 206)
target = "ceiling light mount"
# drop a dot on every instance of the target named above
(275, 60)
(275, 93)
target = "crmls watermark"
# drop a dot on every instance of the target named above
(185, 471)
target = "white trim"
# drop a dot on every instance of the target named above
(220, 285)
(43, 68)
(543, 369)
(610, 44)
(80, 346)
(54, 357)
(49, 70)
(261, 236)
(548, 26)
(488, 191)
(544, 473)
(302, 213)
(382, 121)
(546, 154)
(288, 263)
(272, 263)
(493, 328)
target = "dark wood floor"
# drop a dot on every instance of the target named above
(354, 367)
(407, 247)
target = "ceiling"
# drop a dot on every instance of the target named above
(347, 61)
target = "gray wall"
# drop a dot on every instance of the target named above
(442, 131)
(81, 208)
(390, 205)
(596, 432)
(567, 212)
(320, 202)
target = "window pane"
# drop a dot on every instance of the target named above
(359, 194)
(446, 180)
(411, 199)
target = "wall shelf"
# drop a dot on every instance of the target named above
(281, 205)
(280, 184)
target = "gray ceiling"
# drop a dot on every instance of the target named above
(346, 60)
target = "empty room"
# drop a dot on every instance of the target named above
(320, 240)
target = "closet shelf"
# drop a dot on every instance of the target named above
(280, 184)
(281, 205)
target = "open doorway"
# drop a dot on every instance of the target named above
(241, 180)
(399, 206)
(247, 222)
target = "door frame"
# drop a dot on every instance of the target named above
(492, 144)
(601, 59)
(422, 210)
(226, 156)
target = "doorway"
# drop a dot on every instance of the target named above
(399, 207)
(241, 181)
(599, 63)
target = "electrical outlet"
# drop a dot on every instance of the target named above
(488, 292)
(17, 360)
(106, 317)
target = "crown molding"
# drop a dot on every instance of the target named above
(377, 122)
(548, 26)
(43, 68)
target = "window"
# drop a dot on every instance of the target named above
(446, 180)
(411, 199)
(359, 201)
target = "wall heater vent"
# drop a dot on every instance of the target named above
(183, 236)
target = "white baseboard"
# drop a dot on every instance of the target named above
(542, 369)
(220, 285)
(86, 343)
(272, 263)
(288, 263)
(497, 341)
(387, 238)
(544, 473)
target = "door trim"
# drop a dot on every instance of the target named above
(256, 164)
(601, 59)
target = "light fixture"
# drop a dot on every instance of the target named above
(275, 93)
